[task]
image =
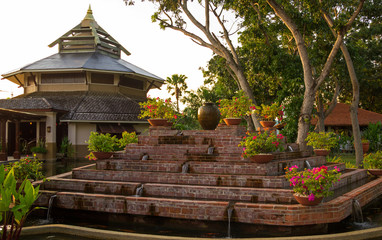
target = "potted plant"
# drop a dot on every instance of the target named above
(26, 168)
(268, 114)
(312, 185)
(373, 163)
(322, 142)
(101, 145)
(158, 111)
(127, 138)
(39, 150)
(258, 147)
(232, 110)
(365, 145)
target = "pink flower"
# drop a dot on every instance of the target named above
(311, 197)
(254, 137)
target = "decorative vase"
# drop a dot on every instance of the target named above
(262, 158)
(102, 155)
(365, 147)
(267, 124)
(375, 172)
(232, 121)
(209, 116)
(156, 122)
(321, 152)
(304, 200)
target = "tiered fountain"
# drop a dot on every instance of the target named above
(200, 175)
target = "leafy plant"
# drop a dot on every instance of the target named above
(66, 147)
(26, 168)
(373, 160)
(337, 159)
(40, 147)
(314, 182)
(373, 133)
(270, 112)
(126, 139)
(254, 143)
(99, 142)
(15, 204)
(157, 108)
(236, 107)
(322, 140)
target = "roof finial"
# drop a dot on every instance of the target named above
(89, 14)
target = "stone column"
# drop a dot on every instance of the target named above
(16, 153)
(3, 152)
(50, 137)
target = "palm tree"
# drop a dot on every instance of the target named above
(175, 86)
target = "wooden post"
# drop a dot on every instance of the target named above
(3, 154)
(16, 153)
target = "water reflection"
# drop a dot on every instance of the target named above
(51, 168)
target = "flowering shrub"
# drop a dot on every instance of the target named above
(265, 142)
(373, 160)
(322, 140)
(271, 112)
(157, 108)
(26, 168)
(314, 182)
(126, 139)
(236, 107)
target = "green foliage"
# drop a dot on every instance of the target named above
(26, 168)
(157, 108)
(314, 182)
(322, 140)
(40, 147)
(99, 142)
(270, 112)
(254, 143)
(126, 139)
(373, 133)
(338, 159)
(373, 160)
(236, 107)
(66, 147)
(15, 204)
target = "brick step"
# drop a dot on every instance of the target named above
(208, 165)
(204, 179)
(172, 191)
(243, 212)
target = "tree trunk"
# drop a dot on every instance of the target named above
(305, 118)
(354, 107)
(320, 125)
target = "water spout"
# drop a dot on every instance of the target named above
(357, 211)
(308, 166)
(139, 191)
(230, 209)
(50, 206)
(210, 150)
(145, 157)
(290, 149)
(185, 167)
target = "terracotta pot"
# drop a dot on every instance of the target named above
(375, 172)
(156, 122)
(321, 152)
(262, 158)
(232, 121)
(209, 116)
(103, 155)
(267, 124)
(365, 147)
(304, 200)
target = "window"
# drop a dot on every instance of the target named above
(62, 78)
(102, 78)
(130, 82)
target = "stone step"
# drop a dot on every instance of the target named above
(243, 167)
(172, 191)
(204, 179)
(243, 212)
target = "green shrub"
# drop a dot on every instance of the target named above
(99, 142)
(373, 160)
(322, 140)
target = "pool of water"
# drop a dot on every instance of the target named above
(63, 165)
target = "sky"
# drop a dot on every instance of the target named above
(28, 27)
